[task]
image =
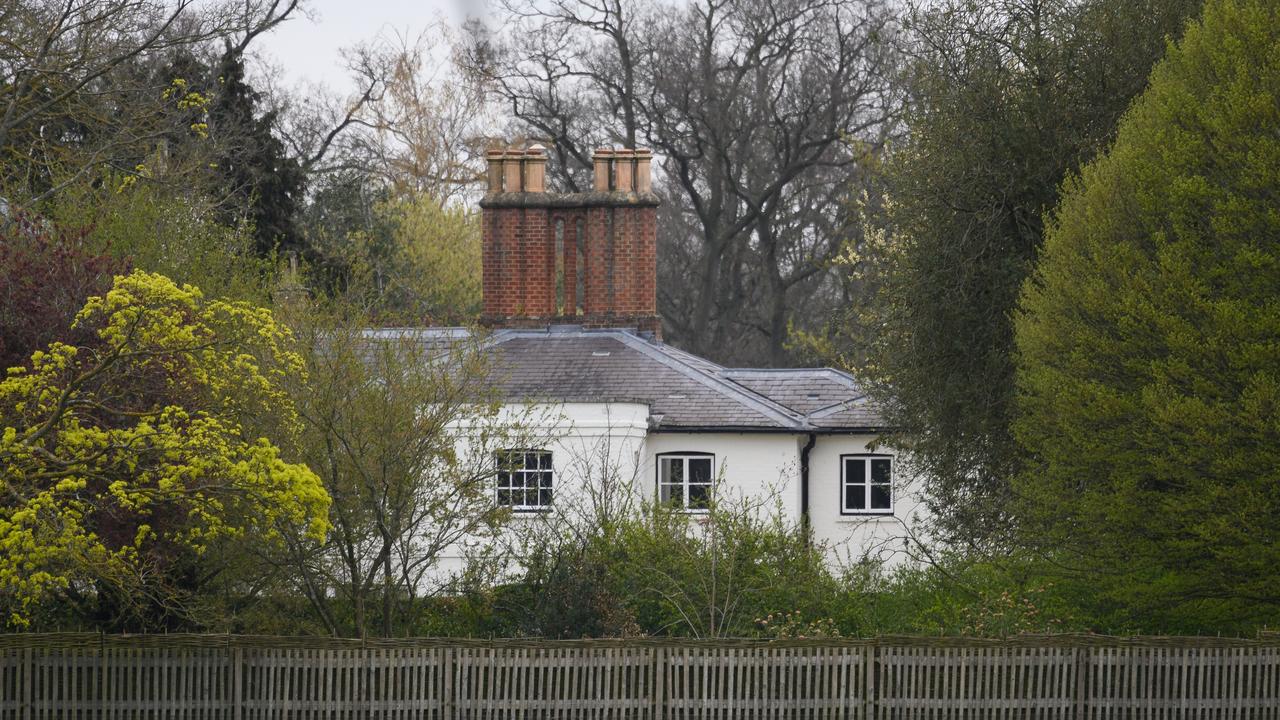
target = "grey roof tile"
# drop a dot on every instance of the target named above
(683, 391)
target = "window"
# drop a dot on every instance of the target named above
(524, 479)
(866, 485)
(684, 480)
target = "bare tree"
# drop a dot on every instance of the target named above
(403, 433)
(414, 125)
(74, 93)
(762, 113)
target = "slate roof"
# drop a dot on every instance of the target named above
(684, 392)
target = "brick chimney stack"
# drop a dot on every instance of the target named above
(578, 258)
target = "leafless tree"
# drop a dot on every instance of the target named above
(413, 125)
(74, 94)
(762, 112)
(402, 431)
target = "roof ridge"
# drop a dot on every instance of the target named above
(833, 409)
(830, 373)
(742, 395)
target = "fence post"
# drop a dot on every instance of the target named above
(659, 680)
(1081, 684)
(28, 669)
(448, 687)
(869, 656)
(237, 692)
(102, 673)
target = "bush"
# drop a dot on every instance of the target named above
(664, 572)
(1148, 360)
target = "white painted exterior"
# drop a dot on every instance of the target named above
(597, 443)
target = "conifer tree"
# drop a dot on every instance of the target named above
(1149, 360)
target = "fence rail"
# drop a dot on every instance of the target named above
(218, 677)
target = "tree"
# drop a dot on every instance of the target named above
(1007, 98)
(75, 93)
(127, 460)
(425, 133)
(266, 183)
(433, 275)
(384, 218)
(402, 431)
(162, 229)
(1149, 397)
(405, 262)
(46, 275)
(761, 114)
(347, 235)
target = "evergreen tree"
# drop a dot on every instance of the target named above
(253, 162)
(1008, 97)
(1149, 359)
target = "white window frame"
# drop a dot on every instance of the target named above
(865, 483)
(684, 458)
(525, 489)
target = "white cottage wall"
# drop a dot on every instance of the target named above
(850, 537)
(749, 466)
(589, 442)
(594, 443)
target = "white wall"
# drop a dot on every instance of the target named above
(755, 466)
(851, 537)
(595, 443)
(588, 441)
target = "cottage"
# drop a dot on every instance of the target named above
(570, 295)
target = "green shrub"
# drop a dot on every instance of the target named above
(1149, 366)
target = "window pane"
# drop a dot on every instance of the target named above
(544, 480)
(673, 494)
(855, 497)
(699, 470)
(880, 470)
(504, 479)
(855, 470)
(504, 496)
(674, 470)
(880, 497)
(544, 461)
(699, 495)
(531, 461)
(544, 497)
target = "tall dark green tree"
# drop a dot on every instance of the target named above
(263, 180)
(1008, 97)
(1149, 344)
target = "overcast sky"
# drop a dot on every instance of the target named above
(306, 48)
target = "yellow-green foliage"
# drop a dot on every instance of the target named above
(440, 248)
(166, 230)
(118, 456)
(430, 273)
(1149, 368)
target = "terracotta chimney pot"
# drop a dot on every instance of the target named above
(624, 169)
(644, 182)
(494, 168)
(601, 161)
(535, 169)
(512, 162)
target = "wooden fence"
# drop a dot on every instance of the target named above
(197, 677)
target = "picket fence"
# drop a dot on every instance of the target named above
(199, 677)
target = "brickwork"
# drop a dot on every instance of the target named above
(618, 257)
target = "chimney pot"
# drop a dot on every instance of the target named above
(535, 170)
(601, 160)
(512, 170)
(644, 181)
(494, 167)
(624, 164)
